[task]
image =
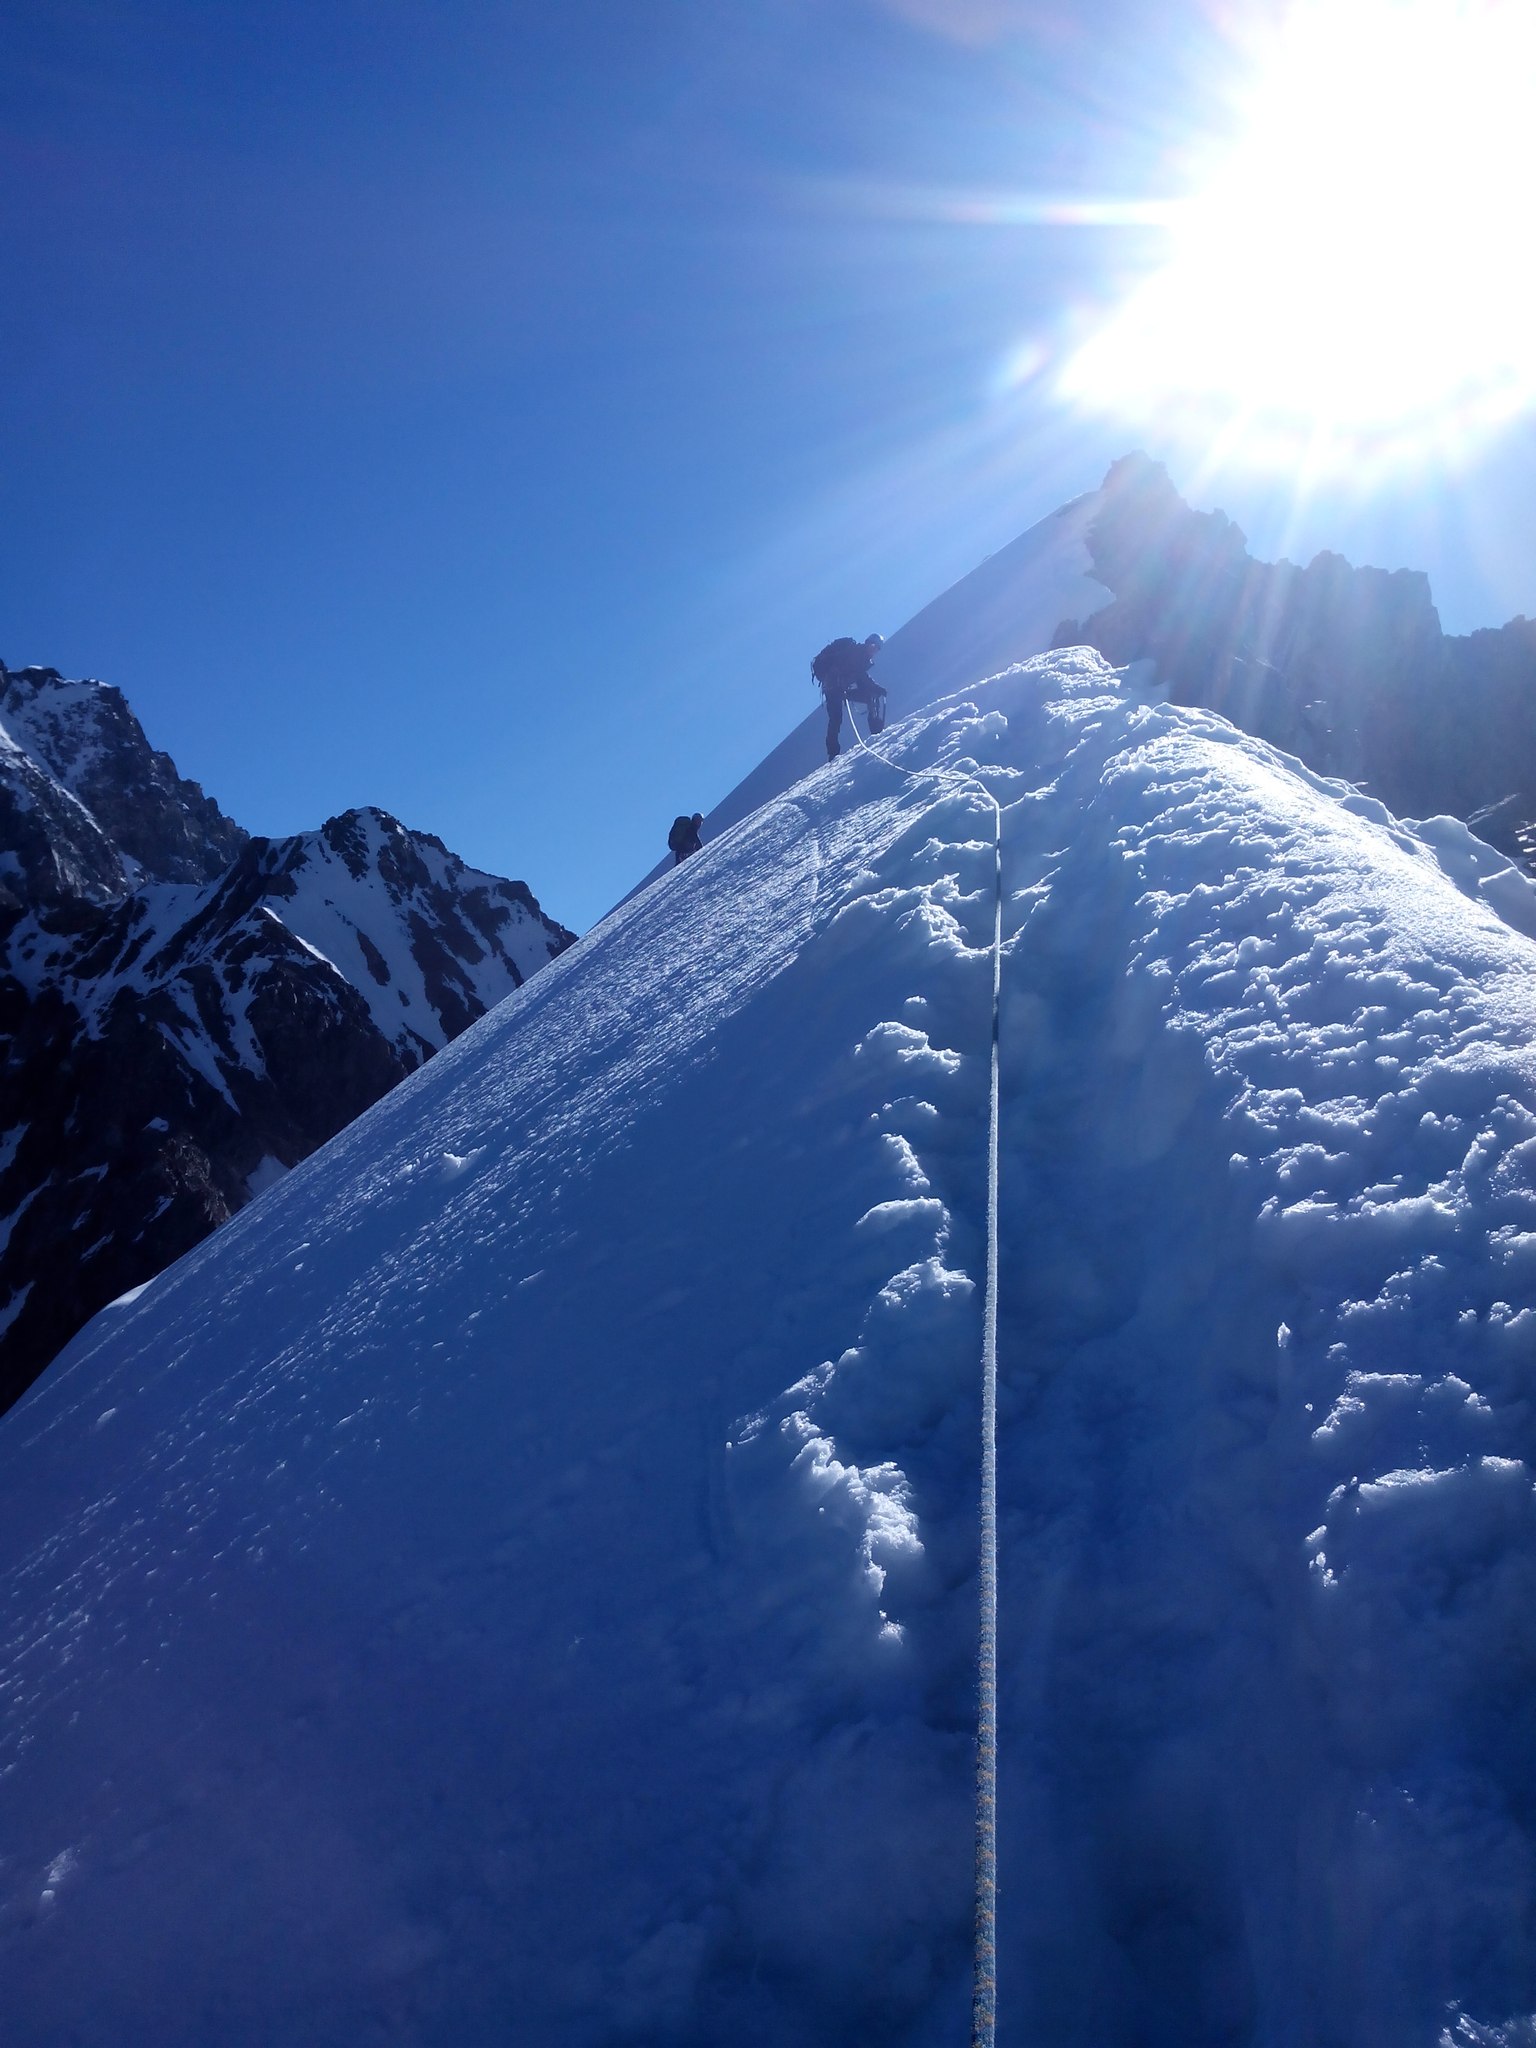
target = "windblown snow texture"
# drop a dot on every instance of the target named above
(517, 1581)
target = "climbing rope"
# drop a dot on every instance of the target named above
(984, 1966)
(984, 1985)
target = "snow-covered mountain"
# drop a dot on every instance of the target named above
(87, 807)
(186, 1012)
(518, 1580)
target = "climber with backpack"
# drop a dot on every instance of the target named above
(841, 672)
(684, 838)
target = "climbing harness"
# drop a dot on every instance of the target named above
(984, 1968)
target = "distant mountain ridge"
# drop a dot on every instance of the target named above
(186, 1011)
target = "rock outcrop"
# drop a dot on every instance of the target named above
(1346, 667)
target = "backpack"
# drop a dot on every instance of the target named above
(680, 835)
(840, 661)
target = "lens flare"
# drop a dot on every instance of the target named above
(1355, 281)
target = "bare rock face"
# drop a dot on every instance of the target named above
(186, 1012)
(1346, 667)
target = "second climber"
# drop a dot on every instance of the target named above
(685, 838)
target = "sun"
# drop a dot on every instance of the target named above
(1356, 278)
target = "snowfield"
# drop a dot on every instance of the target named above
(517, 1581)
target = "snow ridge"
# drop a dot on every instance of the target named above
(542, 1529)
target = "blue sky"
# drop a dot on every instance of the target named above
(486, 410)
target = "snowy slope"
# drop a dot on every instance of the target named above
(517, 1581)
(1007, 609)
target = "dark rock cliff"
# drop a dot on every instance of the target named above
(1346, 667)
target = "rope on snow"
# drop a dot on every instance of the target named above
(984, 1965)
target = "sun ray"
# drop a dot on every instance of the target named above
(1352, 285)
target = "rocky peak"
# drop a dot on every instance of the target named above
(429, 941)
(1145, 533)
(85, 738)
(1346, 666)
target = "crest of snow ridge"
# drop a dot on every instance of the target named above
(617, 1376)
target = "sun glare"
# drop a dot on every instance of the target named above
(1357, 278)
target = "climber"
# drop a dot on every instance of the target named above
(842, 672)
(684, 837)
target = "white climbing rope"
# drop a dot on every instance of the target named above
(984, 1963)
(984, 1983)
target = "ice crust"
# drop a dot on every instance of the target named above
(517, 1580)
